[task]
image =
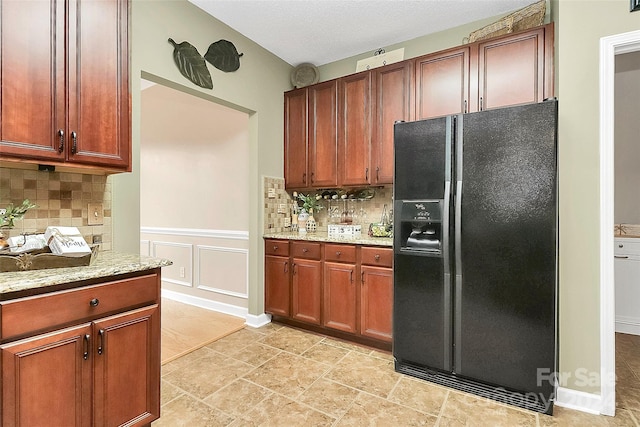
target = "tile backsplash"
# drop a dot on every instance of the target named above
(274, 222)
(62, 198)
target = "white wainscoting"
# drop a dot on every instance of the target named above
(207, 264)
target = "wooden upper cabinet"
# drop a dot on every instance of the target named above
(99, 116)
(442, 83)
(354, 142)
(323, 134)
(295, 138)
(65, 83)
(32, 66)
(511, 70)
(393, 86)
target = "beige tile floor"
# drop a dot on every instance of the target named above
(280, 376)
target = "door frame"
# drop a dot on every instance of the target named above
(609, 47)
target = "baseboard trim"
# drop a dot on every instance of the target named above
(258, 321)
(628, 325)
(578, 400)
(220, 307)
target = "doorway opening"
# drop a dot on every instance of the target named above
(609, 48)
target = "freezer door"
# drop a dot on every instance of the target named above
(505, 294)
(419, 156)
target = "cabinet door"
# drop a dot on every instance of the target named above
(306, 290)
(442, 83)
(99, 115)
(323, 135)
(46, 380)
(354, 142)
(295, 138)
(127, 368)
(376, 302)
(276, 283)
(511, 70)
(32, 73)
(392, 93)
(340, 300)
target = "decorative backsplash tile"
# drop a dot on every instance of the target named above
(62, 198)
(275, 222)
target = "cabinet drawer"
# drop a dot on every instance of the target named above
(30, 315)
(339, 253)
(305, 250)
(626, 246)
(381, 257)
(276, 247)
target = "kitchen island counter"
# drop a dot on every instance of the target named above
(324, 237)
(106, 265)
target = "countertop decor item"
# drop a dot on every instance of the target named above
(223, 55)
(8, 215)
(305, 74)
(191, 64)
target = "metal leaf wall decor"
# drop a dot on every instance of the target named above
(191, 64)
(223, 55)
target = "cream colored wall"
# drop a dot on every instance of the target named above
(627, 148)
(255, 88)
(194, 162)
(581, 24)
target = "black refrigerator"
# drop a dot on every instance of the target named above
(475, 253)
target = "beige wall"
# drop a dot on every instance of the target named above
(256, 88)
(627, 131)
(580, 25)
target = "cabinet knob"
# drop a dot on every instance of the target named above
(621, 246)
(94, 302)
(275, 248)
(377, 257)
(338, 253)
(305, 250)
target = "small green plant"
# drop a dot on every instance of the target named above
(12, 213)
(310, 202)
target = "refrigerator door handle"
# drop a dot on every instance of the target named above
(457, 321)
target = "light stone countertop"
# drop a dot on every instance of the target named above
(322, 236)
(105, 264)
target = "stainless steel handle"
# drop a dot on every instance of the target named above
(621, 256)
(459, 129)
(100, 341)
(61, 143)
(74, 145)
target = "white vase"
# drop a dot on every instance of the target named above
(302, 222)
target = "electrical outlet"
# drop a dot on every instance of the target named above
(282, 208)
(271, 193)
(287, 222)
(182, 272)
(97, 238)
(95, 214)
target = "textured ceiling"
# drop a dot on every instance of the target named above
(323, 31)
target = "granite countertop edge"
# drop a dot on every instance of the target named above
(105, 264)
(324, 237)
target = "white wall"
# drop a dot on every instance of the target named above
(627, 139)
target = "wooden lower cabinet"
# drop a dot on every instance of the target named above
(344, 290)
(102, 372)
(376, 302)
(277, 290)
(340, 297)
(306, 290)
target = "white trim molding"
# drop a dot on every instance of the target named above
(189, 246)
(220, 307)
(198, 232)
(258, 321)
(609, 47)
(628, 325)
(578, 400)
